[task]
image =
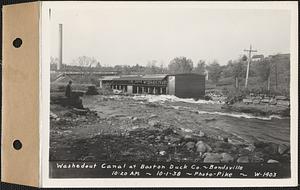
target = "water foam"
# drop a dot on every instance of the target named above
(240, 115)
(171, 98)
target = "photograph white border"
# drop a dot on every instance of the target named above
(45, 181)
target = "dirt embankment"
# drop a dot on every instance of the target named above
(259, 110)
(123, 129)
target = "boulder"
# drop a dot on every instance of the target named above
(212, 158)
(172, 139)
(260, 144)
(80, 111)
(186, 130)
(168, 131)
(225, 139)
(272, 161)
(53, 115)
(153, 116)
(190, 145)
(244, 152)
(250, 148)
(271, 148)
(151, 137)
(223, 145)
(282, 148)
(154, 123)
(92, 90)
(226, 158)
(203, 147)
(243, 159)
(258, 157)
(188, 137)
(200, 134)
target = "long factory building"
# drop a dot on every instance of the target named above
(181, 85)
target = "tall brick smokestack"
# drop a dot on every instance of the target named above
(60, 48)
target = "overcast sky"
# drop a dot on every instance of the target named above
(129, 35)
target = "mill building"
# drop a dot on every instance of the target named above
(181, 85)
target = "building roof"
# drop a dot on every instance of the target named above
(142, 77)
(109, 77)
(258, 56)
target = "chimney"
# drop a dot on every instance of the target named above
(60, 61)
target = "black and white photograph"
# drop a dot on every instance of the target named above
(170, 90)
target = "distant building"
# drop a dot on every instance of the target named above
(280, 56)
(257, 57)
(181, 85)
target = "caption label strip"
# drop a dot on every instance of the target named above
(66, 169)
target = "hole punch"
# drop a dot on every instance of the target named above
(17, 42)
(17, 144)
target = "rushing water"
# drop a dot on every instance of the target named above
(246, 126)
(252, 129)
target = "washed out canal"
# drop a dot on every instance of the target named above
(208, 115)
(165, 128)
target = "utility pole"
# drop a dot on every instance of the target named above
(60, 49)
(248, 65)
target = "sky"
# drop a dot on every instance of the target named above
(136, 34)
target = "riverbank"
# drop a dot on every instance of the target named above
(258, 109)
(122, 128)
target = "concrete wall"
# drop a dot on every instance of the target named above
(189, 86)
(171, 85)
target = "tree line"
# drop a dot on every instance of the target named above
(274, 67)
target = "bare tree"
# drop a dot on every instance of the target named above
(180, 65)
(85, 61)
(200, 68)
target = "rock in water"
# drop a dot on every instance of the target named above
(226, 158)
(272, 161)
(243, 159)
(212, 158)
(282, 148)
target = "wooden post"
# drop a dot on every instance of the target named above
(248, 65)
(269, 81)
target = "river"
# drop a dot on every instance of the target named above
(242, 127)
(251, 128)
